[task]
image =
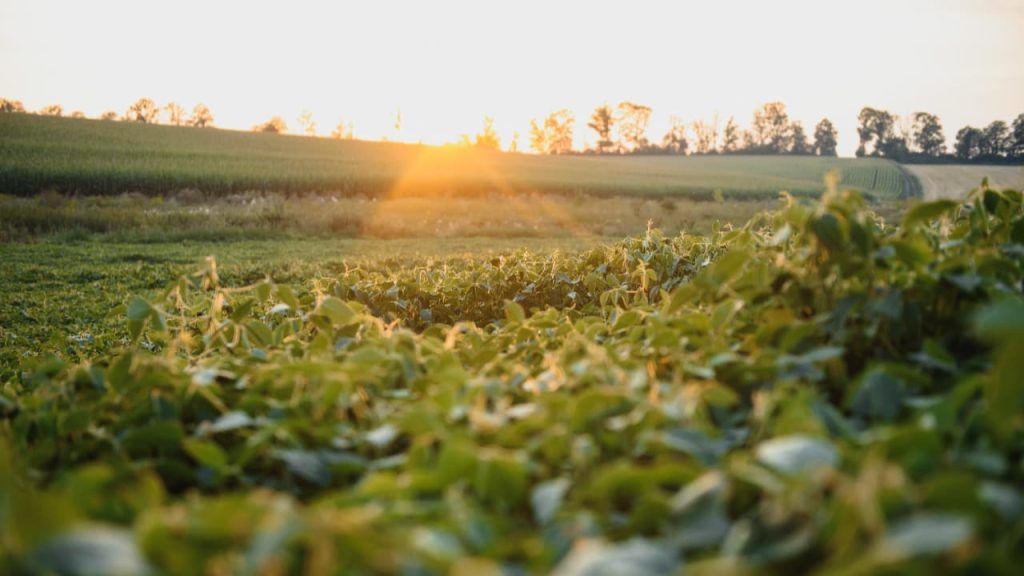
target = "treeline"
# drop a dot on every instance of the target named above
(623, 130)
(146, 111)
(920, 138)
(619, 130)
(143, 110)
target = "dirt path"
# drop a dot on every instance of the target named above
(957, 180)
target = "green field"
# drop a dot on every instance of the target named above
(815, 392)
(458, 362)
(96, 157)
(55, 296)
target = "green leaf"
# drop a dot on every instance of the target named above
(162, 435)
(546, 498)
(926, 534)
(340, 313)
(637, 557)
(138, 309)
(925, 212)
(514, 312)
(229, 421)
(208, 454)
(626, 320)
(699, 517)
(287, 296)
(797, 454)
(242, 309)
(705, 450)
(500, 480)
(305, 464)
(829, 231)
(1001, 322)
(879, 395)
(727, 267)
(913, 252)
(91, 550)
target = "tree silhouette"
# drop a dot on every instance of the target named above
(11, 106)
(798, 140)
(538, 139)
(488, 139)
(875, 131)
(554, 136)
(927, 134)
(77, 114)
(108, 115)
(730, 136)
(895, 147)
(633, 120)
(771, 130)
(1018, 137)
(968, 143)
(825, 138)
(343, 131)
(602, 121)
(704, 137)
(201, 117)
(175, 113)
(143, 110)
(307, 124)
(275, 125)
(995, 140)
(674, 140)
(52, 110)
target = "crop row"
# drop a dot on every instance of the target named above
(75, 156)
(812, 391)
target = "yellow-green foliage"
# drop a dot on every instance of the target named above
(815, 391)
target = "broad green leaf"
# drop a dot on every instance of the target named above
(925, 534)
(829, 231)
(90, 550)
(208, 454)
(500, 480)
(339, 312)
(514, 312)
(925, 212)
(161, 435)
(705, 450)
(1002, 321)
(138, 309)
(879, 395)
(637, 557)
(797, 454)
(546, 498)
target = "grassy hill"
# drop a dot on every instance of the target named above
(97, 157)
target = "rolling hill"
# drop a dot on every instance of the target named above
(100, 157)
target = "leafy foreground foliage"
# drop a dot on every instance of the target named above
(813, 392)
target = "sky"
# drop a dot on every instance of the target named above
(446, 64)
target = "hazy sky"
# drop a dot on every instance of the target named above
(446, 64)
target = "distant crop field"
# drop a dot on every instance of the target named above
(955, 181)
(95, 157)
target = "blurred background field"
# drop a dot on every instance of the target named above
(193, 215)
(71, 155)
(945, 181)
